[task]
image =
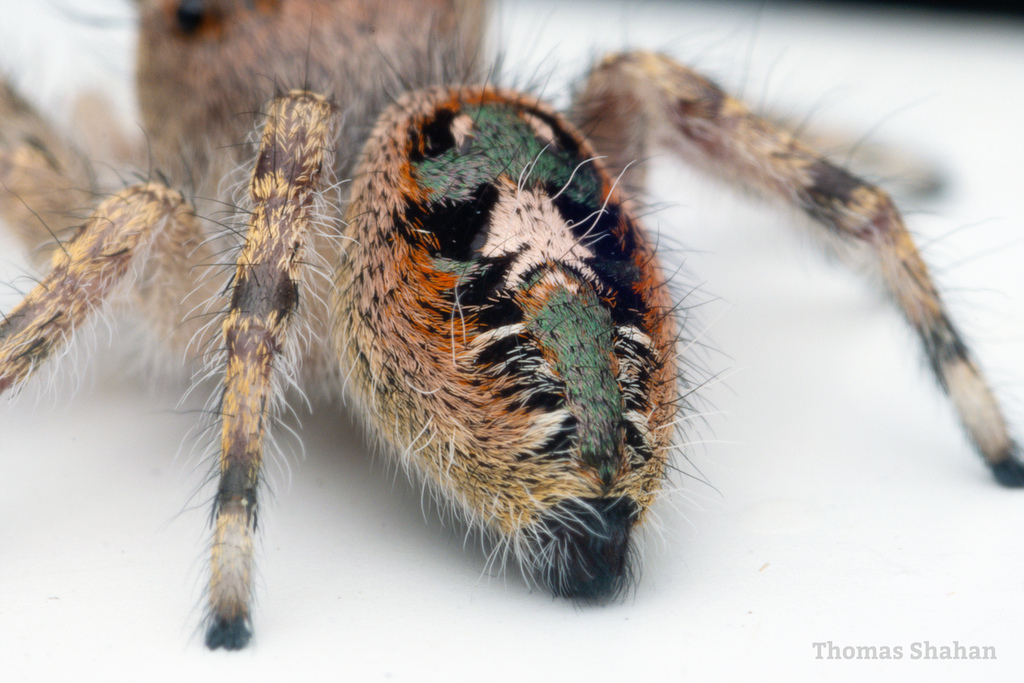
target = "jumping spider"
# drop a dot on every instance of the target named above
(461, 261)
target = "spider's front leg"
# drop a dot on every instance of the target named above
(634, 101)
(292, 166)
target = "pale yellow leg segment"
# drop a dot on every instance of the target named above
(634, 102)
(293, 164)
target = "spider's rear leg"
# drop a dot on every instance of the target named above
(633, 101)
(43, 181)
(87, 270)
(295, 151)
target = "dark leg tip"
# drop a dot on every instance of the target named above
(230, 634)
(1009, 472)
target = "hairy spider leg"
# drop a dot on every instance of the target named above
(634, 100)
(87, 270)
(292, 165)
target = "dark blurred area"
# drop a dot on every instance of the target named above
(1009, 9)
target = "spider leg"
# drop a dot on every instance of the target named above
(86, 272)
(632, 101)
(294, 154)
(42, 179)
(908, 173)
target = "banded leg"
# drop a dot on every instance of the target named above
(292, 166)
(634, 100)
(86, 271)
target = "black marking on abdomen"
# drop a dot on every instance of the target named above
(637, 364)
(482, 296)
(634, 439)
(434, 138)
(516, 356)
(595, 226)
(449, 228)
(558, 446)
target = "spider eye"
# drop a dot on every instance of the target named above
(190, 15)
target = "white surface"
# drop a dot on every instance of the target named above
(845, 506)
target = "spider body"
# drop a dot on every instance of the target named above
(481, 289)
(545, 323)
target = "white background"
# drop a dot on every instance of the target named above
(844, 504)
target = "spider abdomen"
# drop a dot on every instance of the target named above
(505, 323)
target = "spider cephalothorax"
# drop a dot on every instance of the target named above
(458, 259)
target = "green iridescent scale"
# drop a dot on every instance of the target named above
(501, 143)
